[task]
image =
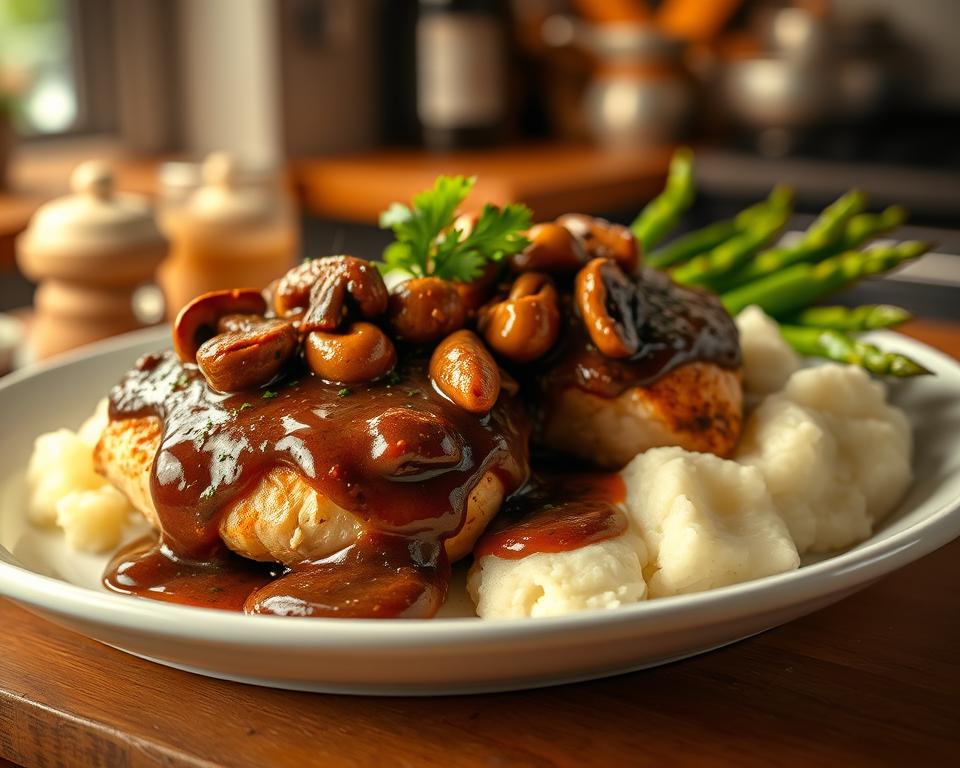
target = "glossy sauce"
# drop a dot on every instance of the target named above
(556, 513)
(396, 454)
(676, 325)
(149, 569)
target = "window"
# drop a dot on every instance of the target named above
(55, 65)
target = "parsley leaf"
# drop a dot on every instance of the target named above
(428, 244)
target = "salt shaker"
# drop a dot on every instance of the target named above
(227, 234)
(89, 251)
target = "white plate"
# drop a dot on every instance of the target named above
(446, 655)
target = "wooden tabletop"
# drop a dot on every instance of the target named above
(550, 178)
(872, 680)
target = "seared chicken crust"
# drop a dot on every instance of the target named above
(697, 406)
(283, 518)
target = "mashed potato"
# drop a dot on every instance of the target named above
(835, 455)
(61, 463)
(820, 462)
(768, 361)
(605, 574)
(707, 522)
(66, 491)
(93, 521)
(696, 522)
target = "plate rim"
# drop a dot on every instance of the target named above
(846, 570)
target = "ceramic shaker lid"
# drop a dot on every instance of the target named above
(94, 218)
(226, 200)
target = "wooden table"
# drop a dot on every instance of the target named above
(550, 178)
(873, 680)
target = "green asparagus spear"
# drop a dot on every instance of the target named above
(866, 226)
(799, 285)
(699, 241)
(836, 345)
(831, 224)
(875, 261)
(662, 213)
(868, 317)
(692, 244)
(708, 268)
(826, 236)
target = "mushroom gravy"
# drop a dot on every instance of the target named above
(396, 454)
(675, 325)
(557, 512)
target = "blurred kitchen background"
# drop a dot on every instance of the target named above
(331, 109)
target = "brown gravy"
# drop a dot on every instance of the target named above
(676, 325)
(149, 569)
(396, 454)
(556, 513)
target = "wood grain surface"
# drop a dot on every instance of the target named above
(873, 680)
(550, 178)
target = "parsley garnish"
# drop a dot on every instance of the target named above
(268, 394)
(245, 406)
(427, 244)
(343, 392)
(208, 493)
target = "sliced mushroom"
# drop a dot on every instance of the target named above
(606, 300)
(553, 248)
(317, 292)
(480, 290)
(464, 371)
(198, 321)
(246, 359)
(526, 324)
(604, 240)
(238, 322)
(361, 353)
(425, 309)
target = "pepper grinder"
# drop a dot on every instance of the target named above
(89, 251)
(229, 233)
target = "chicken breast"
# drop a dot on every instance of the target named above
(697, 406)
(283, 518)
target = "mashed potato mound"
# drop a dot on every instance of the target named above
(768, 361)
(66, 491)
(93, 521)
(707, 522)
(61, 463)
(605, 574)
(835, 455)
